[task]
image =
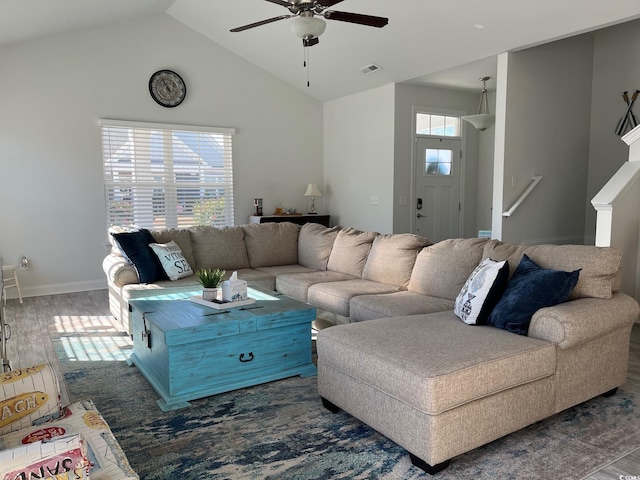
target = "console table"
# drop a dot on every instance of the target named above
(299, 219)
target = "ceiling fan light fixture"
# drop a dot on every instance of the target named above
(481, 120)
(307, 27)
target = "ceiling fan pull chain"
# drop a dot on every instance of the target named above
(307, 62)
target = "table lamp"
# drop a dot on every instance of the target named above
(312, 191)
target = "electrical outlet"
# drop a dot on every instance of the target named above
(402, 201)
(374, 199)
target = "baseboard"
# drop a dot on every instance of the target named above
(570, 240)
(57, 288)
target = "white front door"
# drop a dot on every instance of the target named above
(437, 185)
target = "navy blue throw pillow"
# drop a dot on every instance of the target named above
(530, 289)
(135, 246)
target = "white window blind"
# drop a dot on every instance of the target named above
(167, 176)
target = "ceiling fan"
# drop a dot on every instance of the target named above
(307, 25)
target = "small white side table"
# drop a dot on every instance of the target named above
(10, 276)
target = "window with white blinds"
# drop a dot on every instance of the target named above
(167, 176)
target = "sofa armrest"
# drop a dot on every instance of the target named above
(119, 271)
(579, 321)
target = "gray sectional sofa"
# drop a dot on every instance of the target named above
(399, 359)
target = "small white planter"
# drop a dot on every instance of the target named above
(210, 294)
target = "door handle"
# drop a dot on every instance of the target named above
(421, 216)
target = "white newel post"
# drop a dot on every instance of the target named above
(618, 221)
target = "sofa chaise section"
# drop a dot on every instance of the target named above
(432, 383)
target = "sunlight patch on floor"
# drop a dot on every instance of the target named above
(85, 323)
(88, 338)
(96, 348)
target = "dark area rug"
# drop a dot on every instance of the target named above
(281, 431)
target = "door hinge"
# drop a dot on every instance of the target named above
(459, 207)
(460, 153)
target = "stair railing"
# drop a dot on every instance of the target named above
(534, 181)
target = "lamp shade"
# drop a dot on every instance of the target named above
(312, 191)
(481, 121)
(305, 27)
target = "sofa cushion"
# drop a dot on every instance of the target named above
(135, 247)
(397, 304)
(392, 258)
(284, 269)
(530, 289)
(438, 368)
(296, 285)
(219, 248)
(254, 278)
(350, 250)
(174, 264)
(442, 269)
(270, 244)
(335, 296)
(482, 291)
(599, 275)
(182, 236)
(315, 242)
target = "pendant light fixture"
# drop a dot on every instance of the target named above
(482, 121)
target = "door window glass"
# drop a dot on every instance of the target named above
(437, 162)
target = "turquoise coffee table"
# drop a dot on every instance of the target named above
(188, 351)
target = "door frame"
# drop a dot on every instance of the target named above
(463, 160)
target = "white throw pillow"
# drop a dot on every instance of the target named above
(481, 291)
(172, 260)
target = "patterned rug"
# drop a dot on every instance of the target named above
(281, 431)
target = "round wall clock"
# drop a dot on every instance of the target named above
(167, 88)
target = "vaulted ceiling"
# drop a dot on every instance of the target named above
(450, 42)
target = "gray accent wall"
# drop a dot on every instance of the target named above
(542, 128)
(616, 68)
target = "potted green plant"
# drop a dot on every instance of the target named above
(210, 280)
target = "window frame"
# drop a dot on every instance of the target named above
(154, 158)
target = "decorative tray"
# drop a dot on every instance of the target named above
(220, 305)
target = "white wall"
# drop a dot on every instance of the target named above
(408, 96)
(485, 172)
(54, 91)
(544, 99)
(616, 68)
(358, 159)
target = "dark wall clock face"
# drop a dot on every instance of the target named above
(167, 88)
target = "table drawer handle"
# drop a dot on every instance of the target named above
(248, 359)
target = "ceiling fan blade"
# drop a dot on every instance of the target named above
(257, 24)
(368, 20)
(281, 2)
(328, 3)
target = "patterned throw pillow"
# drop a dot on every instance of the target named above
(172, 260)
(482, 291)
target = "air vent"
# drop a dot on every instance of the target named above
(372, 67)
